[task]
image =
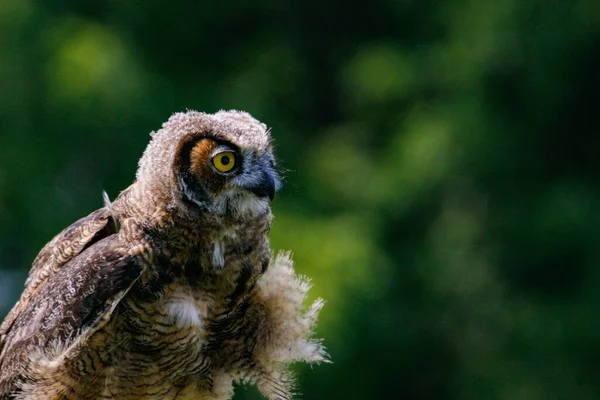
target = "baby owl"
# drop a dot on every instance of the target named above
(169, 292)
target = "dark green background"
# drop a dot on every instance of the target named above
(442, 167)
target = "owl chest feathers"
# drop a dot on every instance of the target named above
(185, 311)
(175, 317)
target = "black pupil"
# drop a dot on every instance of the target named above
(225, 160)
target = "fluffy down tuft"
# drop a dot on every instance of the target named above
(287, 329)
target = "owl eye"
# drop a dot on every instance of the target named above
(224, 161)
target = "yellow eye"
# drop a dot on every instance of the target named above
(224, 161)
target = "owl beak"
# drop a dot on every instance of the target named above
(265, 186)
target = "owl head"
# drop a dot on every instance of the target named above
(220, 164)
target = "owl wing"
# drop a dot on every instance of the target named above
(62, 248)
(70, 293)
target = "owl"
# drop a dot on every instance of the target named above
(171, 290)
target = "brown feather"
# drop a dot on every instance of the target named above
(66, 245)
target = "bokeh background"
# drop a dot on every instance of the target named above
(441, 156)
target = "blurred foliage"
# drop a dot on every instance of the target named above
(442, 184)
